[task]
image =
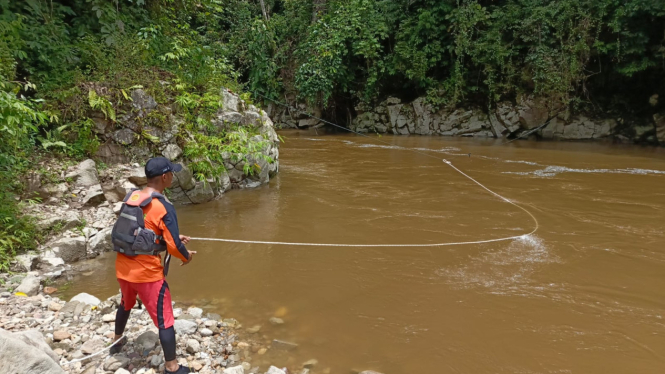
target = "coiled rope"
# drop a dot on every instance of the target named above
(535, 221)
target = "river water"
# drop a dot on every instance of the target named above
(584, 294)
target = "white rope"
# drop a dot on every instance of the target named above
(93, 354)
(537, 225)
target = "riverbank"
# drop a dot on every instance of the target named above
(59, 332)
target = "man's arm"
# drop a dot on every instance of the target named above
(171, 234)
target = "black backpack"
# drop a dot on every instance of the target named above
(129, 235)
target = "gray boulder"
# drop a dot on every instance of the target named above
(101, 241)
(184, 179)
(29, 285)
(70, 249)
(65, 220)
(172, 152)
(143, 101)
(36, 339)
(94, 196)
(27, 262)
(229, 101)
(85, 174)
(659, 120)
(124, 136)
(202, 193)
(137, 176)
(17, 356)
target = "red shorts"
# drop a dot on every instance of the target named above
(155, 296)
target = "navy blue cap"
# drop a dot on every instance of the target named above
(160, 165)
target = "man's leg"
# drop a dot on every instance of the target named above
(157, 301)
(124, 310)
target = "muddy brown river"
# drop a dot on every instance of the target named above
(584, 294)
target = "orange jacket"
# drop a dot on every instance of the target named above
(159, 216)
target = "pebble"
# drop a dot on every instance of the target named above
(310, 363)
(205, 332)
(61, 335)
(262, 351)
(193, 346)
(254, 329)
(108, 317)
(195, 312)
(276, 321)
(197, 365)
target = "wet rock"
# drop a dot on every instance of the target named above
(283, 345)
(193, 346)
(276, 321)
(29, 285)
(254, 329)
(275, 370)
(185, 327)
(310, 363)
(659, 120)
(184, 179)
(234, 370)
(85, 174)
(147, 341)
(17, 356)
(86, 299)
(201, 193)
(214, 316)
(116, 362)
(70, 249)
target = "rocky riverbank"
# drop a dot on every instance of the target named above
(43, 334)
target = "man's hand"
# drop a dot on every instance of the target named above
(191, 256)
(185, 239)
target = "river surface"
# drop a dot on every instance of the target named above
(584, 294)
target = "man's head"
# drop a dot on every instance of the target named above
(159, 172)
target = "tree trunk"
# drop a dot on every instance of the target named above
(263, 9)
(318, 7)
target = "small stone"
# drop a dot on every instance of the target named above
(116, 362)
(214, 316)
(54, 306)
(156, 360)
(262, 351)
(196, 365)
(108, 317)
(205, 332)
(61, 335)
(284, 345)
(92, 346)
(246, 365)
(122, 371)
(29, 285)
(50, 290)
(276, 321)
(254, 329)
(310, 363)
(193, 346)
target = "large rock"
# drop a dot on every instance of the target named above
(101, 242)
(17, 356)
(65, 220)
(94, 196)
(117, 190)
(184, 179)
(229, 101)
(29, 285)
(36, 339)
(27, 262)
(124, 136)
(201, 193)
(85, 298)
(85, 174)
(172, 152)
(137, 176)
(143, 101)
(659, 120)
(53, 190)
(70, 249)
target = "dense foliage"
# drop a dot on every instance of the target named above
(59, 59)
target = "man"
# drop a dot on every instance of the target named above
(141, 273)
